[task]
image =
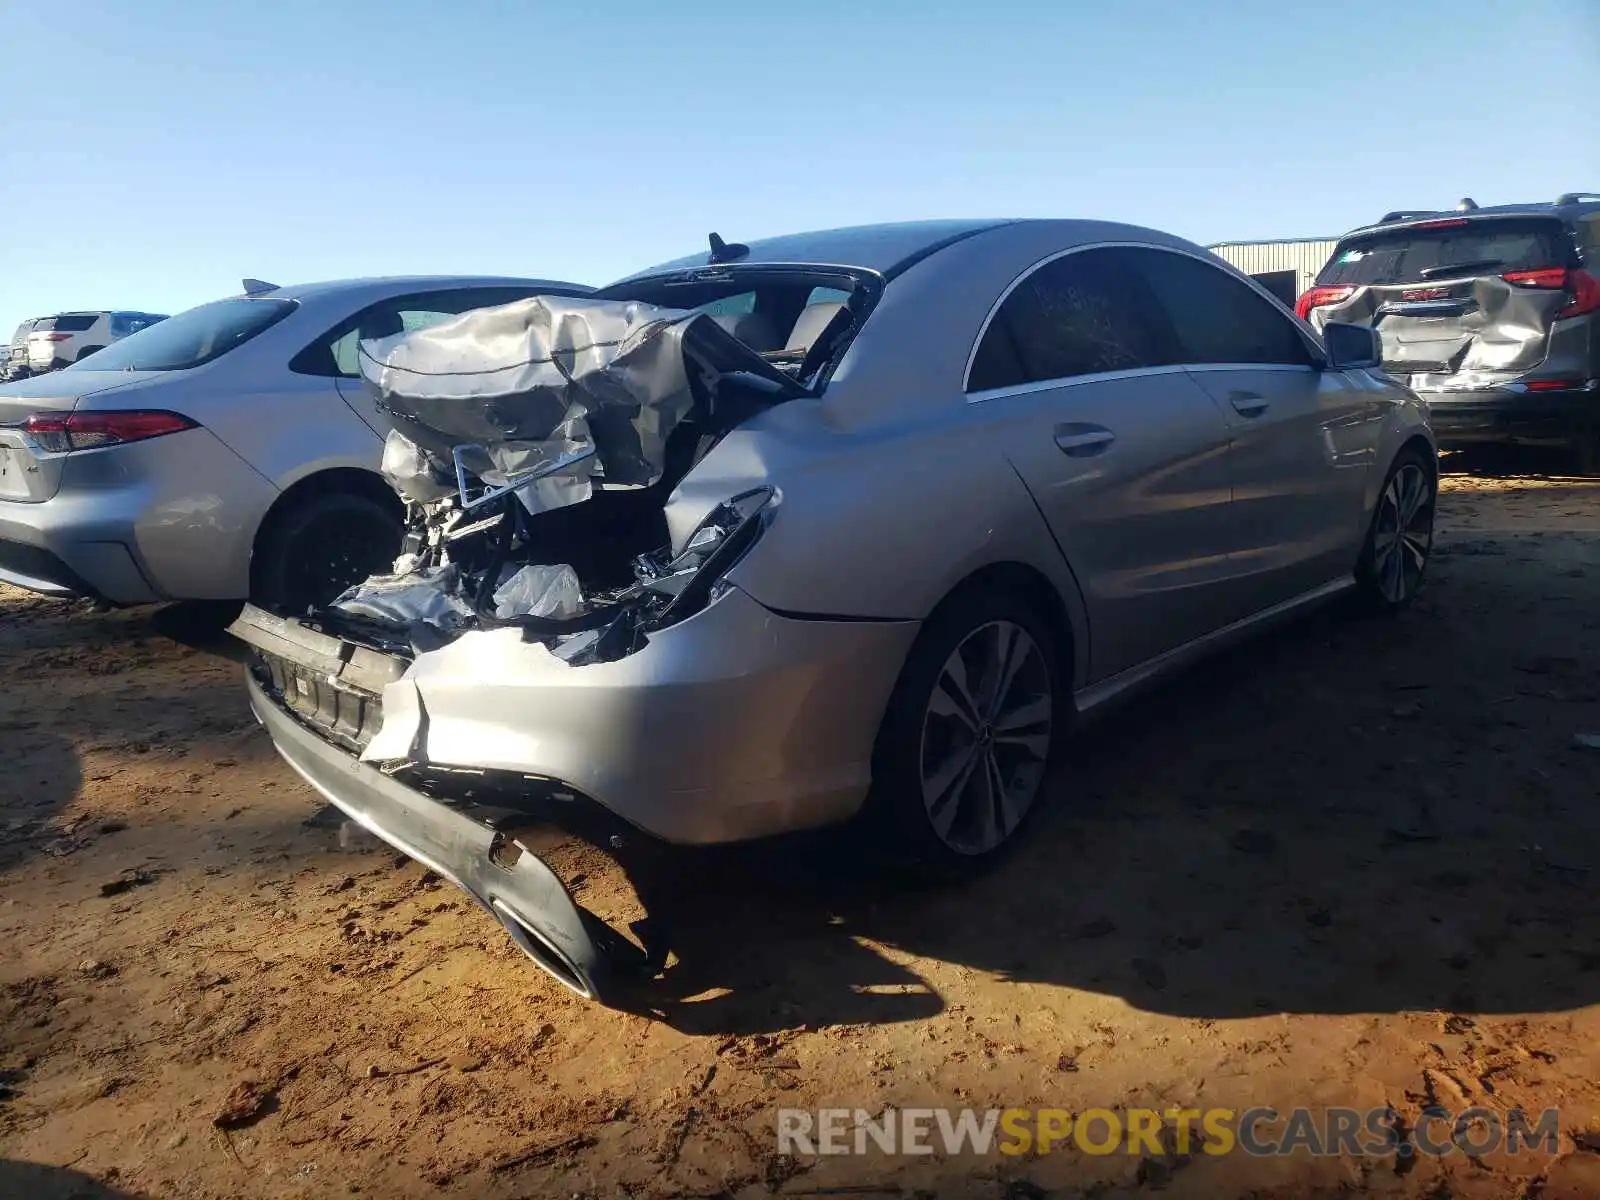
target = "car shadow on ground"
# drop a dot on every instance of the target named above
(1349, 815)
(201, 625)
(1508, 461)
(35, 1181)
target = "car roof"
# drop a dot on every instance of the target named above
(1585, 205)
(382, 285)
(887, 248)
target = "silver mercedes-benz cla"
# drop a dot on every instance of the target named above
(849, 524)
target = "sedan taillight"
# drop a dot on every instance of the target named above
(65, 433)
(1318, 296)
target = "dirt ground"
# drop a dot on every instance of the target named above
(1352, 864)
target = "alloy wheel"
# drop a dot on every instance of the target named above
(1402, 535)
(986, 737)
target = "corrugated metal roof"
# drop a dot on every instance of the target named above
(1271, 242)
(1304, 256)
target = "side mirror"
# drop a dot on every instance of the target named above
(1351, 347)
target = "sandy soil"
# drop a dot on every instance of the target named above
(1354, 864)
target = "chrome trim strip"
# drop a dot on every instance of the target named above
(1066, 381)
(1280, 368)
(1098, 695)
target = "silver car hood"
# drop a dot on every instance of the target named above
(549, 392)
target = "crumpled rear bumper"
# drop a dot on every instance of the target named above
(474, 846)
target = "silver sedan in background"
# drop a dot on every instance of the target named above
(227, 451)
(943, 487)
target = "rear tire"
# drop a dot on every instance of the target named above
(86, 351)
(1394, 557)
(320, 545)
(974, 725)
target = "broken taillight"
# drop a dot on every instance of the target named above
(1317, 297)
(67, 433)
(1583, 287)
(695, 577)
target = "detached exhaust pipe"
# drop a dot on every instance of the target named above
(544, 955)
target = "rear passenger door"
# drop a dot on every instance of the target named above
(1303, 438)
(1124, 453)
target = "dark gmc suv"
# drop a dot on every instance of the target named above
(1492, 315)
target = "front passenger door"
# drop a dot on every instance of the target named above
(1125, 455)
(1303, 438)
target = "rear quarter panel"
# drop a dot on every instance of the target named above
(876, 523)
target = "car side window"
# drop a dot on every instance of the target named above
(1215, 317)
(337, 353)
(1076, 315)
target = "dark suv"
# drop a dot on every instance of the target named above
(1492, 315)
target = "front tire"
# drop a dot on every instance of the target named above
(1394, 558)
(972, 728)
(321, 545)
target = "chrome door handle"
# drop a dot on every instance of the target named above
(1081, 442)
(1248, 404)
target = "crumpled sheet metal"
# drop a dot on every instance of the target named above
(428, 597)
(534, 380)
(412, 471)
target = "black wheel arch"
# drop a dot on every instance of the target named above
(1028, 581)
(332, 481)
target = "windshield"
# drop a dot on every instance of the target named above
(190, 338)
(1489, 246)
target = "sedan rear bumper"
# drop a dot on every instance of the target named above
(36, 559)
(474, 846)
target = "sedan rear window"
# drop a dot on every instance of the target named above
(66, 323)
(799, 318)
(1486, 246)
(191, 338)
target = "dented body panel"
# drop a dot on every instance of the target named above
(678, 738)
(747, 605)
(1491, 316)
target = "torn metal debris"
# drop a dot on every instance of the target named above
(533, 444)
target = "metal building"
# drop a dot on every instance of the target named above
(1284, 268)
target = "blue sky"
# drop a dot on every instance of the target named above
(157, 152)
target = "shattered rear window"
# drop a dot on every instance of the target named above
(1487, 246)
(781, 312)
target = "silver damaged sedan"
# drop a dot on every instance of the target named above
(839, 526)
